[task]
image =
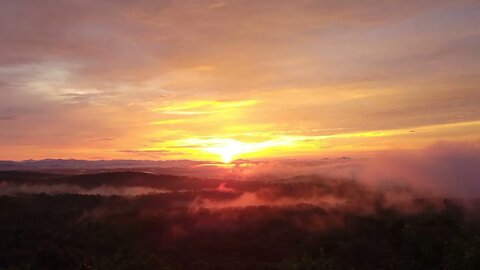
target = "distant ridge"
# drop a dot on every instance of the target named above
(112, 179)
(46, 164)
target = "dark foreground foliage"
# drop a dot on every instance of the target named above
(150, 232)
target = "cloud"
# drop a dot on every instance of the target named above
(99, 68)
(9, 188)
(7, 117)
(223, 188)
(158, 153)
(106, 139)
(204, 107)
(445, 168)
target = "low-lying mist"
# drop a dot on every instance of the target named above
(398, 210)
(444, 170)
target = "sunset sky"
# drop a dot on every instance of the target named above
(223, 80)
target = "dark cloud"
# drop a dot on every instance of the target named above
(106, 139)
(7, 117)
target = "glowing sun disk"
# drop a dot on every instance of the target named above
(228, 150)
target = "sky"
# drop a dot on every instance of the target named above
(223, 80)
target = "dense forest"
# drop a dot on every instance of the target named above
(301, 223)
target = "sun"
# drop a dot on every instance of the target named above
(228, 149)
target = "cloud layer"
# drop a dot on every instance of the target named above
(72, 72)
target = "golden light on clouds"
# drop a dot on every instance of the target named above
(228, 147)
(203, 107)
(248, 79)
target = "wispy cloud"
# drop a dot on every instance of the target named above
(7, 117)
(203, 106)
(106, 139)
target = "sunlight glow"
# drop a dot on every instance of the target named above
(228, 150)
(253, 145)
